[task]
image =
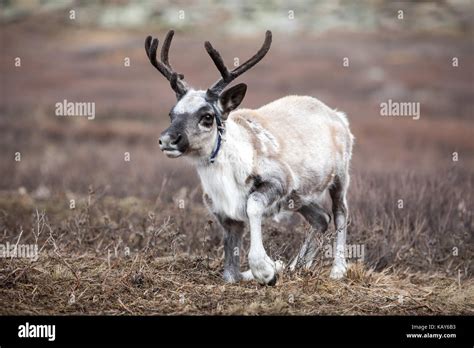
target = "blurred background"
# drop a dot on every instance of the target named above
(77, 50)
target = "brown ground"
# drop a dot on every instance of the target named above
(186, 284)
(85, 268)
(422, 254)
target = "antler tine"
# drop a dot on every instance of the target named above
(166, 47)
(147, 45)
(217, 59)
(257, 57)
(164, 67)
(229, 76)
(151, 45)
(165, 51)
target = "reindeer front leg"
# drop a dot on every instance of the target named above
(263, 269)
(233, 231)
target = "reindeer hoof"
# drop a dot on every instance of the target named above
(273, 281)
(338, 272)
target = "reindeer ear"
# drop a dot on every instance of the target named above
(231, 98)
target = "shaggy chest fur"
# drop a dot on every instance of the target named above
(225, 194)
(225, 182)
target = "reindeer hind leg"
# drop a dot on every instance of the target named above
(319, 220)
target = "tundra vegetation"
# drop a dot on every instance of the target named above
(121, 229)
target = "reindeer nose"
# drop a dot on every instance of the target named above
(170, 140)
(164, 141)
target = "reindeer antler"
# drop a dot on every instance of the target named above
(229, 76)
(164, 67)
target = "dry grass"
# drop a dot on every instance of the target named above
(85, 267)
(184, 284)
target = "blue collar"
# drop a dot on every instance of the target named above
(220, 131)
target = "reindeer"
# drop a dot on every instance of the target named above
(254, 163)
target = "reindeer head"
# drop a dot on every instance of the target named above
(197, 118)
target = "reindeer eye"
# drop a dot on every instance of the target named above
(207, 119)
